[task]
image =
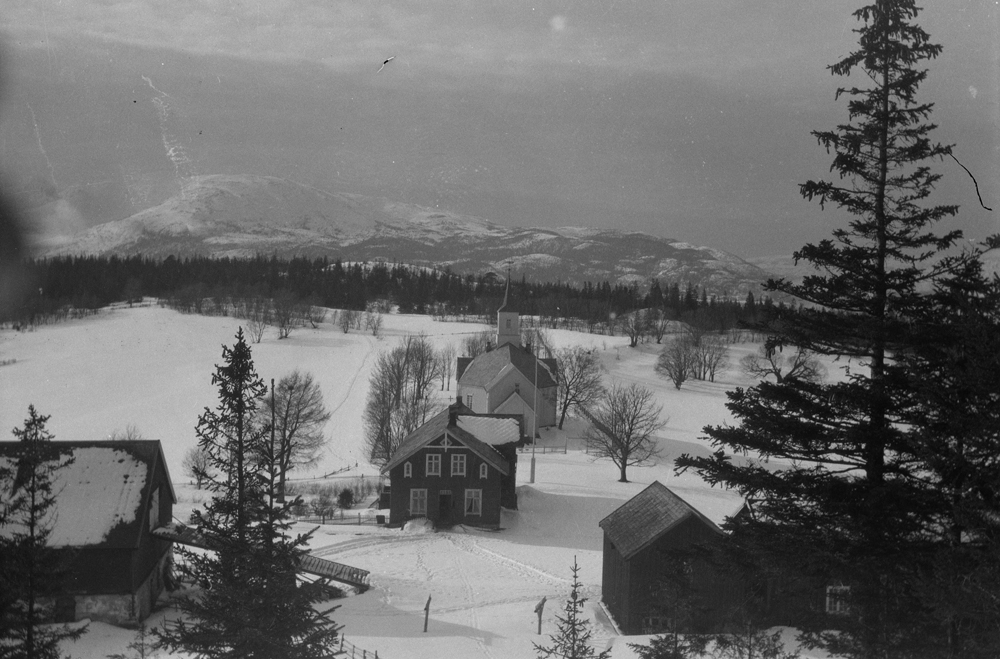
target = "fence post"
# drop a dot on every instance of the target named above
(359, 519)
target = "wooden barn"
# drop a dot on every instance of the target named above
(457, 468)
(651, 543)
(109, 498)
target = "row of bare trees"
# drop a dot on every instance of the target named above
(694, 354)
(283, 311)
(399, 395)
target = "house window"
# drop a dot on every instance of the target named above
(457, 464)
(838, 600)
(433, 464)
(407, 470)
(418, 502)
(508, 323)
(468, 401)
(483, 470)
(154, 509)
(517, 387)
(473, 502)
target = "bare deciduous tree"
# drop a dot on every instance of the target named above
(299, 418)
(129, 433)
(634, 326)
(316, 316)
(346, 319)
(622, 426)
(446, 365)
(579, 379)
(288, 313)
(196, 465)
(476, 344)
(711, 352)
(257, 313)
(399, 397)
(677, 360)
(801, 365)
(373, 322)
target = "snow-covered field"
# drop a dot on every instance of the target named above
(152, 368)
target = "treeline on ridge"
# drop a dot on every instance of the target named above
(82, 284)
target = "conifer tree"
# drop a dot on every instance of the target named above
(33, 572)
(251, 603)
(855, 506)
(572, 640)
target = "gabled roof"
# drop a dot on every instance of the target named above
(646, 517)
(486, 367)
(103, 494)
(437, 426)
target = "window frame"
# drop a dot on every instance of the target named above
(407, 470)
(473, 496)
(458, 459)
(484, 470)
(432, 464)
(154, 508)
(415, 498)
(837, 600)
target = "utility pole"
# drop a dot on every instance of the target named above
(534, 411)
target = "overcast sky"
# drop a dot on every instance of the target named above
(688, 119)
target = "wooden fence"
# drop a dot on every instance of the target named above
(348, 650)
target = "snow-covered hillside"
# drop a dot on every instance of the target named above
(152, 368)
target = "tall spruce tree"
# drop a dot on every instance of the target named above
(853, 504)
(33, 573)
(251, 603)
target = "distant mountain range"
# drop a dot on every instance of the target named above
(241, 216)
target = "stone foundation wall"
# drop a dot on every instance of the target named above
(125, 608)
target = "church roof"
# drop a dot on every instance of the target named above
(484, 369)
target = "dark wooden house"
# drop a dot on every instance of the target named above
(457, 468)
(109, 498)
(649, 543)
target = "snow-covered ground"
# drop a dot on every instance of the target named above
(152, 368)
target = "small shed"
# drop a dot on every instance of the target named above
(644, 540)
(109, 499)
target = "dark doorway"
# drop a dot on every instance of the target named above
(444, 508)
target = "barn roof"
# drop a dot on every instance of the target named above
(646, 517)
(103, 493)
(485, 368)
(448, 421)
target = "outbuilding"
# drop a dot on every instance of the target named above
(109, 496)
(650, 542)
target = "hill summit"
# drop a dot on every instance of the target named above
(240, 216)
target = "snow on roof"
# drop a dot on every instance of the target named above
(484, 369)
(494, 431)
(99, 491)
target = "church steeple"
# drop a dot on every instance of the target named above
(508, 321)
